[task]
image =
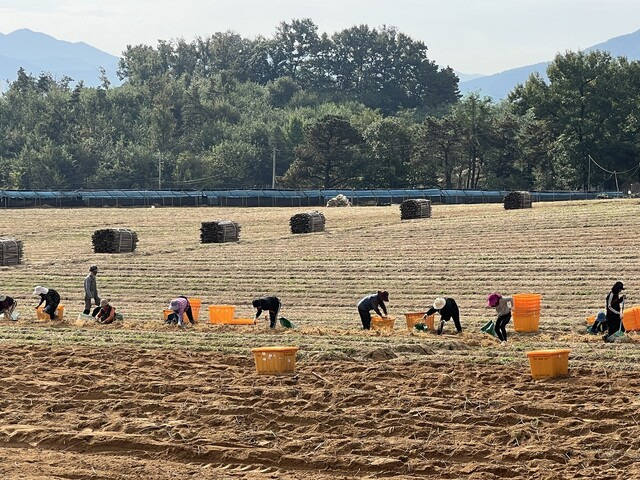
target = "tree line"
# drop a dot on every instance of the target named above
(363, 107)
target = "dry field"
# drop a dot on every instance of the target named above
(143, 400)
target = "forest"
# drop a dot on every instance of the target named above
(362, 108)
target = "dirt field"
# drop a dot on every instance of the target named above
(143, 400)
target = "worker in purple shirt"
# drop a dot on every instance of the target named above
(180, 306)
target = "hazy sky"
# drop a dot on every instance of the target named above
(472, 36)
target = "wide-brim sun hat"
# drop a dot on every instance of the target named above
(439, 303)
(39, 290)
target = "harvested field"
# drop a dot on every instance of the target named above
(139, 399)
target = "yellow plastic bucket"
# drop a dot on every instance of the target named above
(275, 360)
(631, 319)
(382, 323)
(221, 314)
(549, 363)
(40, 315)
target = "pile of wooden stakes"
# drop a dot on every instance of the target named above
(10, 252)
(515, 200)
(307, 222)
(114, 240)
(416, 208)
(220, 231)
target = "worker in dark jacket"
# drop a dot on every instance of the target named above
(7, 306)
(374, 302)
(268, 304)
(91, 291)
(614, 305)
(448, 309)
(51, 300)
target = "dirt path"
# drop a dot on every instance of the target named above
(78, 412)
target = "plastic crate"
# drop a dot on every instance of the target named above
(414, 318)
(40, 315)
(195, 303)
(221, 314)
(549, 363)
(631, 319)
(382, 323)
(275, 360)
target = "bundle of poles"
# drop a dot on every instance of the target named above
(220, 231)
(516, 200)
(10, 252)
(308, 222)
(417, 208)
(114, 240)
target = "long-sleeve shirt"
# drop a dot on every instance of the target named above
(91, 288)
(613, 303)
(269, 304)
(504, 306)
(372, 302)
(50, 298)
(183, 304)
(449, 311)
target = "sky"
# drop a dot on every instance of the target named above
(471, 36)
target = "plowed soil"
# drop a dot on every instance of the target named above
(142, 400)
(130, 413)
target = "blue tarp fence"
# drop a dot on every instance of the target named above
(266, 198)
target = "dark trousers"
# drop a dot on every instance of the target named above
(365, 316)
(614, 323)
(188, 311)
(456, 322)
(501, 324)
(50, 309)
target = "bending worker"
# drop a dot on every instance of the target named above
(180, 306)
(503, 307)
(268, 304)
(91, 291)
(51, 300)
(448, 309)
(107, 313)
(7, 306)
(374, 302)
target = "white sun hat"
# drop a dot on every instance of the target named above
(439, 303)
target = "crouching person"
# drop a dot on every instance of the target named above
(50, 298)
(107, 313)
(7, 306)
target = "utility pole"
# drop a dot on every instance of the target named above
(160, 172)
(273, 170)
(589, 175)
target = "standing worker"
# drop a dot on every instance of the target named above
(91, 291)
(614, 310)
(7, 306)
(180, 306)
(448, 309)
(374, 302)
(503, 307)
(51, 300)
(268, 304)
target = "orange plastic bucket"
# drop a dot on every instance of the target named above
(195, 303)
(382, 323)
(40, 315)
(221, 314)
(549, 363)
(414, 318)
(275, 360)
(631, 319)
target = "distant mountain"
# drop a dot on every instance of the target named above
(468, 76)
(37, 52)
(499, 85)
